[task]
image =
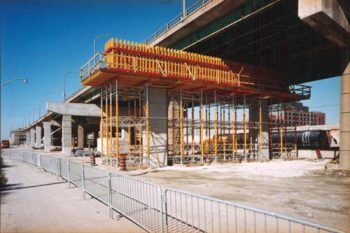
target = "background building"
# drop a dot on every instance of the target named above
(298, 114)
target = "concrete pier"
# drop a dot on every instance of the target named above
(254, 116)
(158, 127)
(32, 137)
(344, 160)
(38, 136)
(47, 135)
(66, 134)
(28, 138)
(81, 137)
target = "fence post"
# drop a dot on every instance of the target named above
(109, 174)
(165, 210)
(50, 165)
(83, 179)
(58, 167)
(162, 212)
(68, 172)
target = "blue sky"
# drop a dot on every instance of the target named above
(44, 39)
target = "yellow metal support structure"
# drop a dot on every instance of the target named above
(244, 131)
(173, 125)
(135, 128)
(110, 121)
(201, 126)
(233, 128)
(147, 125)
(260, 128)
(139, 57)
(101, 125)
(281, 139)
(216, 126)
(250, 146)
(224, 135)
(129, 130)
(281, 130)
(192, 126)
(140, 133)
(116, 120)
(106, 123)
(181, 127)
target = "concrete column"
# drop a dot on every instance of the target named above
(28, 138)
(66, 134)
(158, 127)
(173, 133)
(80, 137)
(37, 136)
(254, 116)
(32, 137)
(47, 136)
(344, 159)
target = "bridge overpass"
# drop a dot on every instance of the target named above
(304, 40)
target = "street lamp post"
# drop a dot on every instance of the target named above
(64, 82)
(25, 81)
(95, 40)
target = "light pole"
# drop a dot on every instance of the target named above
(25, 81)
(95, 40)
(64, 82)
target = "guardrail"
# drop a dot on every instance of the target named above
(197, 5)
(169, 210)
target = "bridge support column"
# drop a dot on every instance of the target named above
(344, 159)
(157, 111)
(66, 134)
(32, 137)
(80, 137)
(173, 132)
(258, 114)
(37, 136)
(47, 136)
(28, 138)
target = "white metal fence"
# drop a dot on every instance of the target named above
(169, 210)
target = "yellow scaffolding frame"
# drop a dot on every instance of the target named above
(201, 126)
(244, 131)
(110, 122)
(106, 124)
(233, 128)
(147, 125)
(216, 126)
(260, 128)
(101, 125)
(117, 120)
(181, 127)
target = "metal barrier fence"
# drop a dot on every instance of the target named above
(141, 201)
(205, 214)
(171, 210)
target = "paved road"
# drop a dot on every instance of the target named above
(35, 201)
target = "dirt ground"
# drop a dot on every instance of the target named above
(296, 188)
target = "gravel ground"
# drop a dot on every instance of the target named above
(301, 188)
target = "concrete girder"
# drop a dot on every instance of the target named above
(328, 17)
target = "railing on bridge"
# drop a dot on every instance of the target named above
(197, 5)
(169, 210)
